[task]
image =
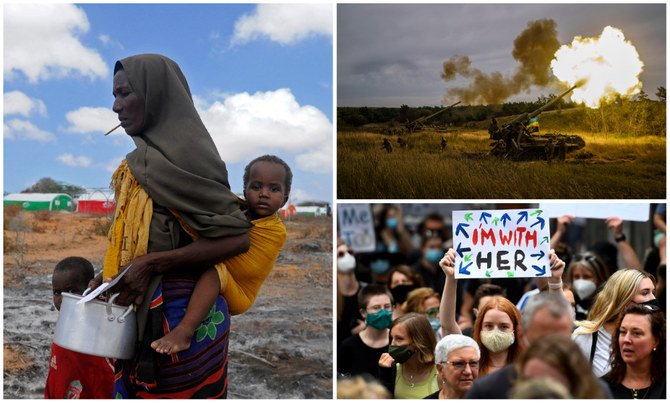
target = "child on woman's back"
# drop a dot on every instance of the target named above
(267, 183)
(74, 375)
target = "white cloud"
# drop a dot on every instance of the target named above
(245, 126)
(18, 103)
(92, 120)
(285, 23)
(74, 161)
(108, 41)
(17, 129)
(42, 41)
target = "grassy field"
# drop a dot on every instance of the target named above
(608, 167)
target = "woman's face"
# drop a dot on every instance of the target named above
(579, 272)
(495, 319)
(645, 291)
(399, 278)
(431, 304)
(636, 341)
(400, 336)
(127, 105)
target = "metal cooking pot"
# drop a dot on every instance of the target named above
(96, 327)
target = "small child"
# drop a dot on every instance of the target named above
(74, 375)
(267, 183)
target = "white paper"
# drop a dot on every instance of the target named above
(103, 287)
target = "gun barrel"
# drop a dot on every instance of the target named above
(530, 115)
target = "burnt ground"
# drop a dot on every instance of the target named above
(280, 349)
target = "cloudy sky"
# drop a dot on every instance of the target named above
(389, 55)
(261, 77)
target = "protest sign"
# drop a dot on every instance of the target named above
(356, 225)
(501, 243)
(625, 211)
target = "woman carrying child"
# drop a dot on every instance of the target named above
(175, 171)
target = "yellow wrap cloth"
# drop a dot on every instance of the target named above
(129, 233)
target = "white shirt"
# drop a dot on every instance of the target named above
(601, 360)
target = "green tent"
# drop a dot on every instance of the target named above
(40, 201)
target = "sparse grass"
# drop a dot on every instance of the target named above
(608, 167)
(101, 226)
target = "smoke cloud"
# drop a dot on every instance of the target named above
(534, 49)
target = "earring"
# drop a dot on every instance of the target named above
(653, 349)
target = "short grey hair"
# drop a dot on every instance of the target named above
(453, 342)
(555, 303)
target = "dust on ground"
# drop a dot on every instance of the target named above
(280, 349)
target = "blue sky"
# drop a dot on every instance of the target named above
(261, 77)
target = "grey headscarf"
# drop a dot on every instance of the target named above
(176, 161)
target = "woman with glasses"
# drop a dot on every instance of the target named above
(425, 301)
(638, 354)
(557, 357)
(585, 274)
(410, 357)
(457, 363)
(594, 335)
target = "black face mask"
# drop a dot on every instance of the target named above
(400, 292)
(654, 303)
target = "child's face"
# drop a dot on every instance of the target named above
(265, 192)
(65, 281)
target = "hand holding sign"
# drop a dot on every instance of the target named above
(447, 263)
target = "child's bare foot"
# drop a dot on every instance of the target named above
(179, 339)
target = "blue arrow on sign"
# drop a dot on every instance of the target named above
(461, 228)
(540, 221)
(484, 216)
(464, 270)
(505, 218)
(460, 250)
(522, 215)
(540, 272)
(539, 255)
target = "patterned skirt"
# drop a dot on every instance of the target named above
(199, 372)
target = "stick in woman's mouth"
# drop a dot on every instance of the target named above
(115, 127)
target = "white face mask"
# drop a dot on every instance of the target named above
(346, 263)
(583, 288)
(495, 340)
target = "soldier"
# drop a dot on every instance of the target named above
(387, 146)
(443, 144)
(401, 142)
(493, 128)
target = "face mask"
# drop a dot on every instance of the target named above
(653, 302)
(433, 255)
(392, 248)
(380, 266)
(380, 320)
(434, 323)
(400, 292)
(496, 341)
(400, 353)
(346, 263)
(584, 288)
(391, 223)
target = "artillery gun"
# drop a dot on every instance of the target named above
(514, 140)
(420, 123)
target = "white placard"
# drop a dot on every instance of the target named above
(356, 226)
(501, 243)
(625, 211)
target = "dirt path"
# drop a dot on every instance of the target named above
(281, 348)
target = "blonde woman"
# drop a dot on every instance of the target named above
(594, 335)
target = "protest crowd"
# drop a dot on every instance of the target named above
(411, 324)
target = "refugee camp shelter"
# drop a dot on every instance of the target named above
(40, 201)
(96, 201)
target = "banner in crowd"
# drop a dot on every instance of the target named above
(625, 211)
(501, 243)
(357, 226)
